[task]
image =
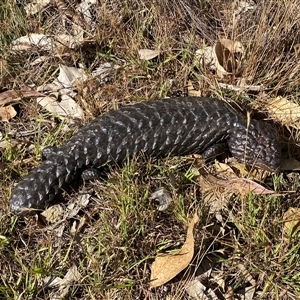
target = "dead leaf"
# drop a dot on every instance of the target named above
(70, 76)
(83, 220)
(285, 111)
(39, 60)
(250, 292)
(222, 168)
(207, 57)
(291, 221)
(226, 51)
(225, 57)
(104, 70)
(7, 113)
(35, 6)
(246, 186)
(53, 213)
(241, 88)
(64, 284)
(82, 201)
(199, 291)
(242, 185)
(67, 41)
(66, 107)
(85, 8)
(147, 54)
(32, 41)
(166, 267)
(54, 86)
(13, 96)
(246, 274)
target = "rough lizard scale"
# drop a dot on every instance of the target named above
(174, 126)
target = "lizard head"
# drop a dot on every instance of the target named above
(256, 145)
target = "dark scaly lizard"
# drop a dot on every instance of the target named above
(174, 126)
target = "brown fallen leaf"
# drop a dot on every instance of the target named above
(222, 56)
(291, 221)
(222, 168)
(166, 267)
(226, 51)
(285, 111)
(7, 113)
(242, 185)
(13, 96)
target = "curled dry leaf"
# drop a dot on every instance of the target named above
(224, 57)
(291, 221)
(39, 60)
(285, 111)
(7, 113)
(63, 87)
(226, 51)
(166, 267)
(74, 208)
(147, 54)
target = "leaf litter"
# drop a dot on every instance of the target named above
(220, 58)
(167, 266)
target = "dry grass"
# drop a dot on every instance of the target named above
(122, 231)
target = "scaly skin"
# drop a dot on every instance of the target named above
(174, 126)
